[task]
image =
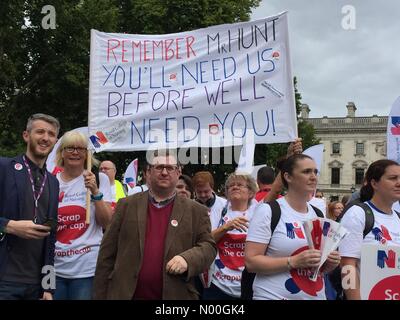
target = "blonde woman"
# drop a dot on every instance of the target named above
(77, 243)
(335, 209)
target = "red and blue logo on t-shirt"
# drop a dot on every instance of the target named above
(381, 234)
(293, 230)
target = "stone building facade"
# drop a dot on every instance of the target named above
(350, 144)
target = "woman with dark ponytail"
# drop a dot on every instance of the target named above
(281, 258)
(380, 191)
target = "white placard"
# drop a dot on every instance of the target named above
(380, 272)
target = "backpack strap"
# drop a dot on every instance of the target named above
(246, 283)
(347, 207)
(369, 217)
(275, 214)
(317, 211)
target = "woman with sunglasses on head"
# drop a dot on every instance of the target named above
(381, 189)
(78, 243)
(229, 229)
(282, 260)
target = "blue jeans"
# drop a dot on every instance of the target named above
(73, 289)
(20, 291)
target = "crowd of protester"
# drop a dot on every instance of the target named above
(174, 237)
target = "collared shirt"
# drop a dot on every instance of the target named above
(162, 203)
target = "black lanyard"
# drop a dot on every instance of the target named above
(36, 195)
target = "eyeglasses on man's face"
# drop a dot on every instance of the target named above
(160, 168)
(72, 149)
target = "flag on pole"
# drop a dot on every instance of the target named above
(317, 153)
(246, 159)
(393, 132)
(130, 176)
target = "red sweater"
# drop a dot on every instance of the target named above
(150, 280)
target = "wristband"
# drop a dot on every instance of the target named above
(97, 197)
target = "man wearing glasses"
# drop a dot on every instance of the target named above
(28, 212)
(157, 242)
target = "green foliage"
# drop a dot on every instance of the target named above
(49, 68)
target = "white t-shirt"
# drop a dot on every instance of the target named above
(229, 262)
(77, 244)
(217, 207)
(386, 230)
(288, 239)
(319, 203)
(396, 206)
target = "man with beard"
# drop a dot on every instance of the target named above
(28, 215)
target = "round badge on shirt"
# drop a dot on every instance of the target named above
(174, 223)
(18, 166)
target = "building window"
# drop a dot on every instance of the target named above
(336, 147)
(359, 148)
(335, 177)
(359, 175)
(334, 198)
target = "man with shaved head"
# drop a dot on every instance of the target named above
(117, 190)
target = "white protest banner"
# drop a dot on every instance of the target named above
(130, 176)
(393, 132)
(212, 87)
(317, 153)
(380, 272)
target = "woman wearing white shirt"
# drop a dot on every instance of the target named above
(282, 260)
(78, 243)
(229, 229)
(380, 191)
